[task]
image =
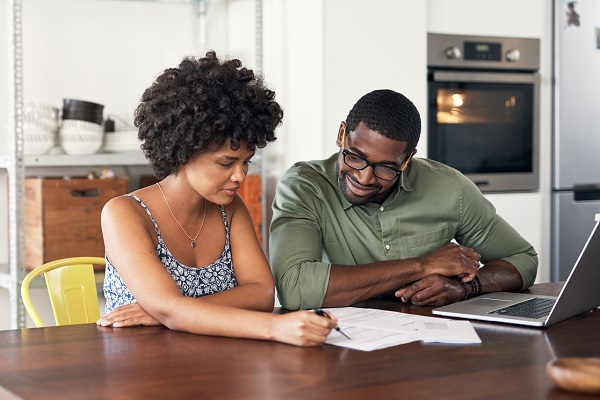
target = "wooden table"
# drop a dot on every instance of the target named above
(89, 362)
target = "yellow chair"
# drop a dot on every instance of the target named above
(71, 287)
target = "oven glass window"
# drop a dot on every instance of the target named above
(481, 128)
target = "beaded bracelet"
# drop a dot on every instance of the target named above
(479, 284)
(473, 289)
(458, 278)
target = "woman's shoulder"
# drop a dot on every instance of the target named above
(236, 205)
(124, 208)
(118, 203)
(143, 196)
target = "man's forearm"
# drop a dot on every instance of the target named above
(499, 275)
(352, 284)
(349, 285)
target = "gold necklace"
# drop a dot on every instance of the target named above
(193, 244)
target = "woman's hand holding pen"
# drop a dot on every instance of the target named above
(302, 328)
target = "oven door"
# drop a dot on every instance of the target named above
(485, 124)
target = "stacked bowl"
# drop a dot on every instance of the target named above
(40, 128)
(81, 131)
(121, 142)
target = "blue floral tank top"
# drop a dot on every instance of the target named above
(192, 282)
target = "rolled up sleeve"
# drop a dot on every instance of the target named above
(494, 238)
(295, 244)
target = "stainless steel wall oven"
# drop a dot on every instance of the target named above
(483, 109)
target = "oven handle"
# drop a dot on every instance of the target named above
(454, 76)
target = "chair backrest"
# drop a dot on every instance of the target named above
(72, 289)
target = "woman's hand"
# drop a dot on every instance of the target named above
(128, 315)
(302, 328)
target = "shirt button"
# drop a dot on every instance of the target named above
(387, 246)
(381, 208)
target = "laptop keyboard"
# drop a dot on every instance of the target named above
(532, 308)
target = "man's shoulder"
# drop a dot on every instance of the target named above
(313, 166)
(431, 169)
(427, 173)
(314, 170)
(427, 165)
(307, 180)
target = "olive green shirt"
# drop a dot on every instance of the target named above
(314, 225)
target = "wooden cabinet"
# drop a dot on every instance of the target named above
(62, 217)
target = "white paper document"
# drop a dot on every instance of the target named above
(372, 329)
(445, 331)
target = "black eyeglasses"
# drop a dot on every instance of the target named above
(359, 163)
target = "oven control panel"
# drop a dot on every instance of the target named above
(484, 51)
(462, 51)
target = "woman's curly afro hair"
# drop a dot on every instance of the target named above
(203, 104)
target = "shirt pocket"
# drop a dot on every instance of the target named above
(425, 243)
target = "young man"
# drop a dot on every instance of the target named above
(372, 220)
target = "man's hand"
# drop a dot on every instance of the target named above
(441, 287)
(453, 260)
(433, 290)
(128, 315)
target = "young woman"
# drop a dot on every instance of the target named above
(183, 252)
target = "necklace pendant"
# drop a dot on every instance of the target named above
(193, 244)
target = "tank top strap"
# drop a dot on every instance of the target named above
(156, 229)
(225, 221)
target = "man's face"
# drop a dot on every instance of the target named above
(361, 186)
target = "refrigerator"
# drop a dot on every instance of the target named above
(576, 131)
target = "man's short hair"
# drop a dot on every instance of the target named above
(389, 113)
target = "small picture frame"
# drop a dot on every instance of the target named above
(571, 14)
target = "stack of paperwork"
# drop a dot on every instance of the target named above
(372, 329)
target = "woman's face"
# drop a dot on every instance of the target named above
(217, 174)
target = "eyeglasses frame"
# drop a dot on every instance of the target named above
(346, 152)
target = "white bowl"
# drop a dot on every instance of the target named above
(40, 128)
(121, 142)
(37, 139)
(78, 137)
(41, 111)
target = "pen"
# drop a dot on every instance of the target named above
(322, 313)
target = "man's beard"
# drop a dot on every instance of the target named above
(348, 195)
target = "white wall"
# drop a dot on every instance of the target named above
(103, 51)
(320, 58)
(230, 30)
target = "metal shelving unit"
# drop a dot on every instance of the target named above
(64, 160)
(16, 163)
(12, 277)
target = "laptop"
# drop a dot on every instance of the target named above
(580, 293)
